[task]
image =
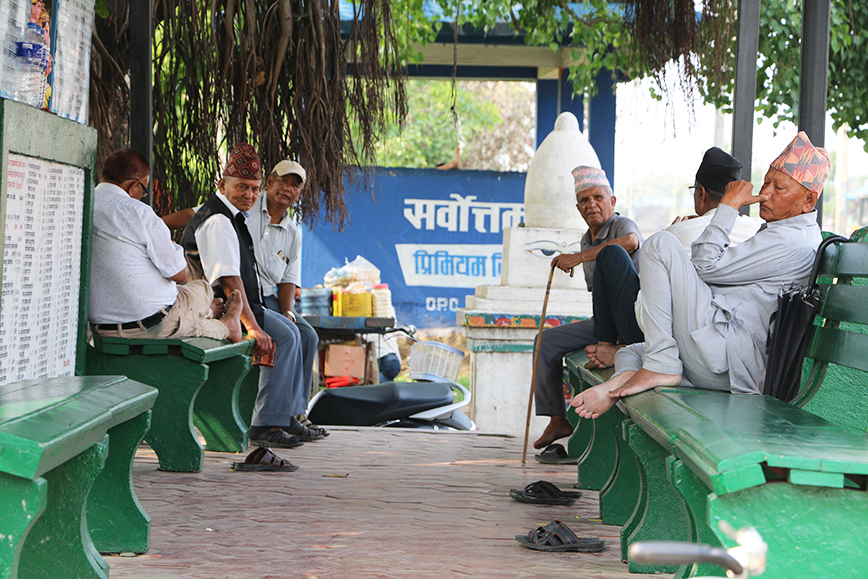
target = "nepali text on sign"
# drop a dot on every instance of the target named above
(455, 215)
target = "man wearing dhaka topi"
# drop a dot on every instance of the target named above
(716, 338)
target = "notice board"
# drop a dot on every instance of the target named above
(41, 269)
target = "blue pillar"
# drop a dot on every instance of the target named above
(601, 123)
(572, 103)
(546, 108)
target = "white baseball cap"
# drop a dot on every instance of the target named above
(287, 167)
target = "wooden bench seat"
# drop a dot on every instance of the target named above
(672, 463)
(66, 452)
(180, 370)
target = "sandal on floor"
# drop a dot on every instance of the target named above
(555, 454)
(276, 439)
(303, 433)
(544, 493)
(262, 459)
(556, 536)
(304, 420)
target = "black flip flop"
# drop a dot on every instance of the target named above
(556, 536)
(544, 493)
(262, 459)
(555, 454)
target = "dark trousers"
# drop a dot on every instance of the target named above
(616, 284)
(390, 366)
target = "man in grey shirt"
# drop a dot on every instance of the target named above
(716, 337)
(596, 203)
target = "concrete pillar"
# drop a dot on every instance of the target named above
(547, 107)
(601, 123)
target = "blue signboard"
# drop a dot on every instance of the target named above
(434, 235)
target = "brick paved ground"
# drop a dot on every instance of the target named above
(405, 504)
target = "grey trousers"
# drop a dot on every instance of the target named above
(556, 343)
(309, 341)
(675, 304)
(282, 392)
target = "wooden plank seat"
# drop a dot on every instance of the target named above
(180, 369)
(66, 452)
(671, 463)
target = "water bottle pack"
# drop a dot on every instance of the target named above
(32, 60)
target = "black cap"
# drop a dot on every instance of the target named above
(718, 169)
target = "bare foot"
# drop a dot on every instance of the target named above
(559, 427)
(645, 380)
(603, 354)
(593, 402)
(218, 308)
(232, 317)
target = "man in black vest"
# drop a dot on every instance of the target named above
(219, 248)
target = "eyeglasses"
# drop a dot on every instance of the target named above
(145, 188)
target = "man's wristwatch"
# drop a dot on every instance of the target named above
(289, 314)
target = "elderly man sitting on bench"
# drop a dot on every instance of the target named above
(716, 336)
(136, 271)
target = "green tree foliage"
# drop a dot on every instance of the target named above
(778, 74)
(594, 28)
(598, 37)
(493, 124)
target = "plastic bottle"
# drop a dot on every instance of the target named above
(382, 301)
(32, 62)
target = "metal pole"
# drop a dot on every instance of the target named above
(141, 81)
(747, 43)
(814, 77)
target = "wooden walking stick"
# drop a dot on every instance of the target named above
(542, 321)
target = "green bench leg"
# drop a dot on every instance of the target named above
(663, 516)
(22, 501)
(600, 458)
(59, 545)
(810, 531)
(621, 498)
(695, 495)
(116, 520)
(171, 435)
(217, 414)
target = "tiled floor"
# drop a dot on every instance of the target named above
(364, 503)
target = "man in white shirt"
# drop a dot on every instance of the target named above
(219, 248)
(617, 298)
(277, 246)
(136, 268)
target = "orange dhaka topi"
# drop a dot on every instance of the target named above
(243, 163)
(807, 164)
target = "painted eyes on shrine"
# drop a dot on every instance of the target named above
(548, 248)
(540, 252)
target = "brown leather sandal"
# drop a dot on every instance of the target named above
(262, 459)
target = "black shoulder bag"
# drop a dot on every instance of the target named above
(790, 331)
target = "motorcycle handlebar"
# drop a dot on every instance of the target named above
(675, 553)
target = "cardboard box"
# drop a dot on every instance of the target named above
(345, 361)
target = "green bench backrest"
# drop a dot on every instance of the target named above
(836, 366)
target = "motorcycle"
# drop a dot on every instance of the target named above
(426, 403)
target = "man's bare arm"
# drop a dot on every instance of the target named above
(567, 261)
(264, 344)
(180, 277)
(286, 296)
(179, 219)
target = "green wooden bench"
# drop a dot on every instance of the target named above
(181, 370)
(66, 452)
(671, 463)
